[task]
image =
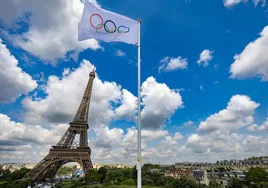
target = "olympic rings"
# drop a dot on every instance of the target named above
(106, 30)
(96, 27)
(123, 30)
(98, 30)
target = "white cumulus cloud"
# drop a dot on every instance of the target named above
(168, 64)
(238, 113)
(205, 57)
(253, 61)
(52, 27)
(252, 128)
(264, 126)
(159, 101)
(231, 3)
(120, 53)
(13, 80)
(128, 106)
(188, 123)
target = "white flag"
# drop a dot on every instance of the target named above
(108, 26)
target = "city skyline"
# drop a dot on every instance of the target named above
(204, 81)
(253, 158)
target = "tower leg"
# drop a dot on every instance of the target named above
(52, 170)
(87, 164)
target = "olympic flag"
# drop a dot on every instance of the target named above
(108, 26)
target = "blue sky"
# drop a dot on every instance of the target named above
(204, 76)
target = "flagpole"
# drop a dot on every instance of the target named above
(139, 109)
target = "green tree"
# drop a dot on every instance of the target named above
(121, 178)
(4, 174)
(184, 183)
(112, 175)
(214, 184)
(149, 166)
(129, 182)
(127, 173)
(4, 184)
(255, 176)
(262, 185)
(146, 180)
(91, 186)
(19, 174)
(161, 181)
(116, 182)
(92, 177)
(154, 176)
(164, 181)
(134, 173)
(22, 183)
(65, 170)
(235, 183)
(77, 182)
(220, 169)
(102, 171)
(67, 184)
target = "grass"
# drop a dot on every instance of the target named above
(117, 186)
(130, 186)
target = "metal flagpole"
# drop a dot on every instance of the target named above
(139, 109)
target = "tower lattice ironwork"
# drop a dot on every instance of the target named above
(68, 149)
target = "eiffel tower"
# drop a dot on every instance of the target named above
(68, 149)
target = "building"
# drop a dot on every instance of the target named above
(201, 176)
(120, 165)
(223, 177)
(97, 166)
(233, 164)
(17, 166)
